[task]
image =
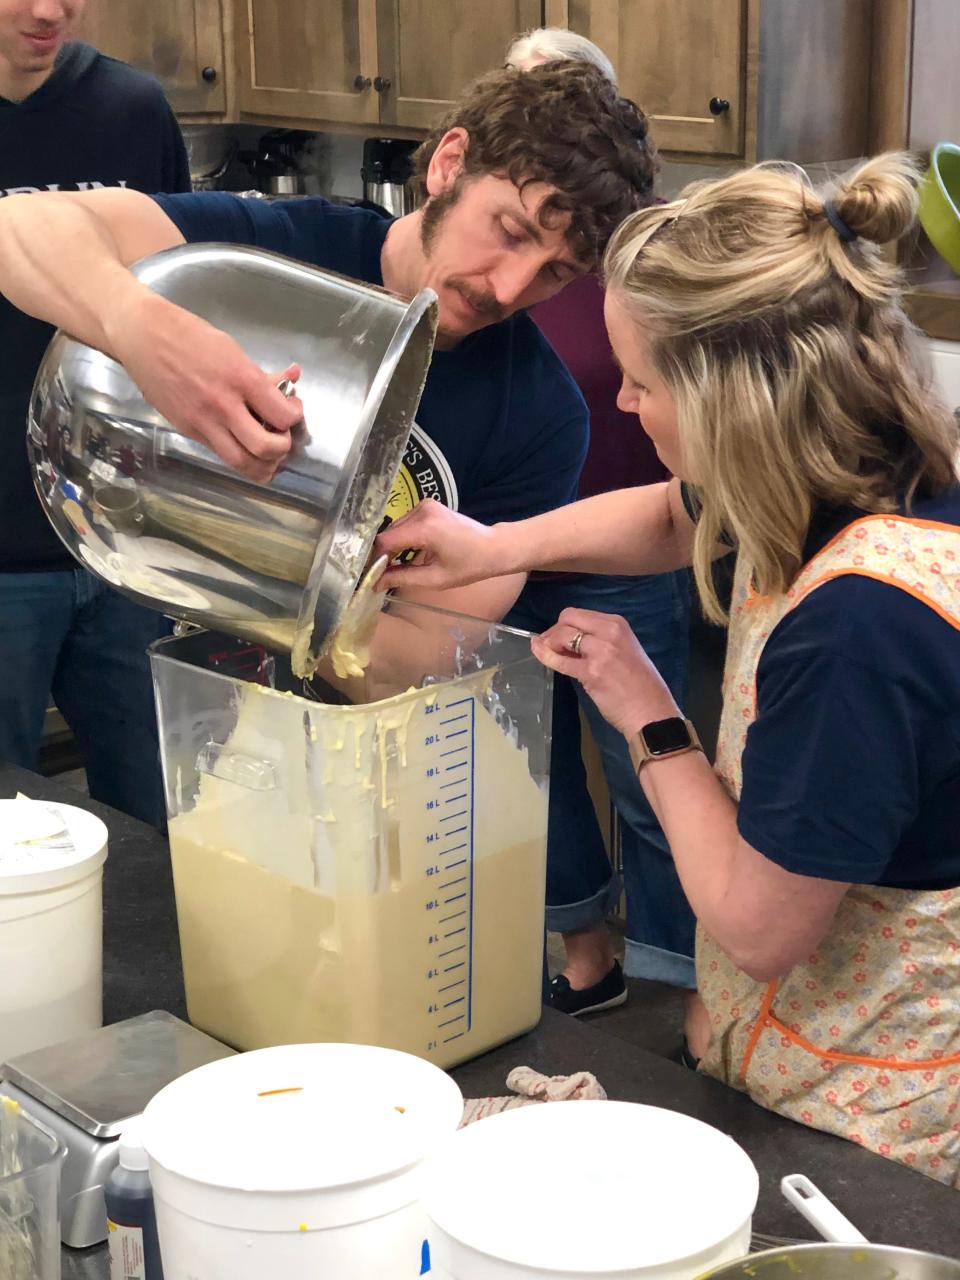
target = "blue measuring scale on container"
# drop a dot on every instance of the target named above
(449, 904)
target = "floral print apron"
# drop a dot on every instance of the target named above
(862, 1039)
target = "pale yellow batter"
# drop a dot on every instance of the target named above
(349, 647)
(302, 900)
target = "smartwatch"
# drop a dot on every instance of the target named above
(662, 738)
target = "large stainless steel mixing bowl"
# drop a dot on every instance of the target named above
(839, 1262)
(168, 523)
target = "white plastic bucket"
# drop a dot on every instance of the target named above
(593, 1190)
(51, 924)
(300, 1162)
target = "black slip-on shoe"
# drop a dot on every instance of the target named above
(608, 993)
(685, 1057)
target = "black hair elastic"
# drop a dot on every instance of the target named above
(843, 229)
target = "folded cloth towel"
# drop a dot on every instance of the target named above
(530, 1086)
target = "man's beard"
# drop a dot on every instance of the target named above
(434, 212)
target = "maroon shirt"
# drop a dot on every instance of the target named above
(620, 453)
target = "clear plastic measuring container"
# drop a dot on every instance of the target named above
(369, 871)
(30, 1161)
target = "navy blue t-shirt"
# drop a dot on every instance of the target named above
(94, 122)
(851, 770)
(501, 430)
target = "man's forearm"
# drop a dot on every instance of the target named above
(59, 262)
(65, 258)
(47, 249)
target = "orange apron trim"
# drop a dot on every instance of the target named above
(763, 1018)
(888, 1064)
(865, 520)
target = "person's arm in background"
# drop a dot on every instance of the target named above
(405, 642)
(198, 377)
(408, 644)
(489, 600)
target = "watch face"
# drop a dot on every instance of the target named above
(664, 736)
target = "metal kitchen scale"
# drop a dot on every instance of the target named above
(85, 1090)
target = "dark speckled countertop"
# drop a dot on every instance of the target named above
(888, 1202)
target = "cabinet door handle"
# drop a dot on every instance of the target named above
(209, 74)
(382, 84)
(718, 106)
(362, 82)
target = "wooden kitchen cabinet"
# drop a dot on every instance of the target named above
(674, 60)
(428, 52)
(740, 79)
(804, 80)
(396, 63)
(915, 87)
(181, 42)
(308, 60)
(751, 79)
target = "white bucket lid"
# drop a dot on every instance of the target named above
(301, 1117)
(47, 846)
(645, 1187)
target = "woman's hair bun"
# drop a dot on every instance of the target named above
(878, 199)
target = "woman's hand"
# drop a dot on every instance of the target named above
(611, 665)
(451, 550)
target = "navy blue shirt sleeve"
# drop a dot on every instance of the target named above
(312, 230)
(851, 769)
(206, 216)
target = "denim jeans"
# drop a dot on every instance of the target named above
(68, 633)
(582, 888)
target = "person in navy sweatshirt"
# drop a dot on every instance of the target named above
(71, 119)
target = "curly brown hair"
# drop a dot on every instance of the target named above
(564, 124)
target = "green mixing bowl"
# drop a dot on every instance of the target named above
(940, 202)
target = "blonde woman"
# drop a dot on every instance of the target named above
(763, 346)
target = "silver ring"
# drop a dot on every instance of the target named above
(575, 643)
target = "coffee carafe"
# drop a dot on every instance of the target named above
(386, 174)
(276, 162)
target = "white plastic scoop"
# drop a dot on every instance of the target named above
(822, 1214)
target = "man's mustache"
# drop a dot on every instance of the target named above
(484, 302)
